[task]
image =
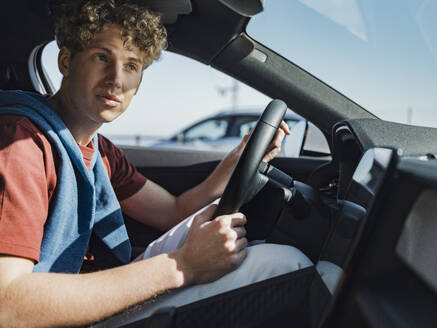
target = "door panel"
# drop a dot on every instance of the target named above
(178, 169)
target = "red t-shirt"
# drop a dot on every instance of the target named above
(28, 180)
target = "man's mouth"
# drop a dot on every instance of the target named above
(109, 100)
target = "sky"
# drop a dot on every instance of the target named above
(381, 54)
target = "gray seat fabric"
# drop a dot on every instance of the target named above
(330, 273)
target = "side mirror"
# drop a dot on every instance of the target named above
(180, 138)
(292, 145)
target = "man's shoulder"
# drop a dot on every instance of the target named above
(13, 122)
(13, 105)
(14, 128)
(11, 98)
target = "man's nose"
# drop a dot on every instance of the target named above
(114, 75)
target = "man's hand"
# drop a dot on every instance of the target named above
(212, 248)
(274, 147)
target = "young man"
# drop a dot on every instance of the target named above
(58, 178)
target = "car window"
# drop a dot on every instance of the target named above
(207, 131)
(246, 127)
(175, 92)
(315, 141)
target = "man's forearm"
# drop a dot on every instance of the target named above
(48, 299)
(154, 206)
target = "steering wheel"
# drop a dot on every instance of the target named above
(246, 178)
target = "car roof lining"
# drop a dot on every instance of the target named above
(169, 10)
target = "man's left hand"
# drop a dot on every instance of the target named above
(219, 178)
(274, 147)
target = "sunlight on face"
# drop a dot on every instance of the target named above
(103, 77)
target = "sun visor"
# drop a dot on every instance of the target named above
(169, 9)
(246, 8)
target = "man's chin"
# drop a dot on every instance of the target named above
(108, 116)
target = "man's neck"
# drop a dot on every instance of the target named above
(81, 130)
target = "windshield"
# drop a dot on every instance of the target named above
(380, 54)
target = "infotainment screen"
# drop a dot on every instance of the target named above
(368, 176)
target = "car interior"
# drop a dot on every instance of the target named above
(363, 215)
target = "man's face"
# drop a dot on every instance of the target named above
(101, 79)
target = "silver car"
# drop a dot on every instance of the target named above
(224, 130)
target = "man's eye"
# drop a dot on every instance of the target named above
(132, 67)
(101, 57)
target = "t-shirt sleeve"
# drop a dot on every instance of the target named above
(27, 179)
(125, 178)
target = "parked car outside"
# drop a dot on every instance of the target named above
(224, 130)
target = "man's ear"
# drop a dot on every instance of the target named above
(64, 61)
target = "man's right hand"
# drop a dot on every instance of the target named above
(212, 248)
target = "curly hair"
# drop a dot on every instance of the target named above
(77, 22)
